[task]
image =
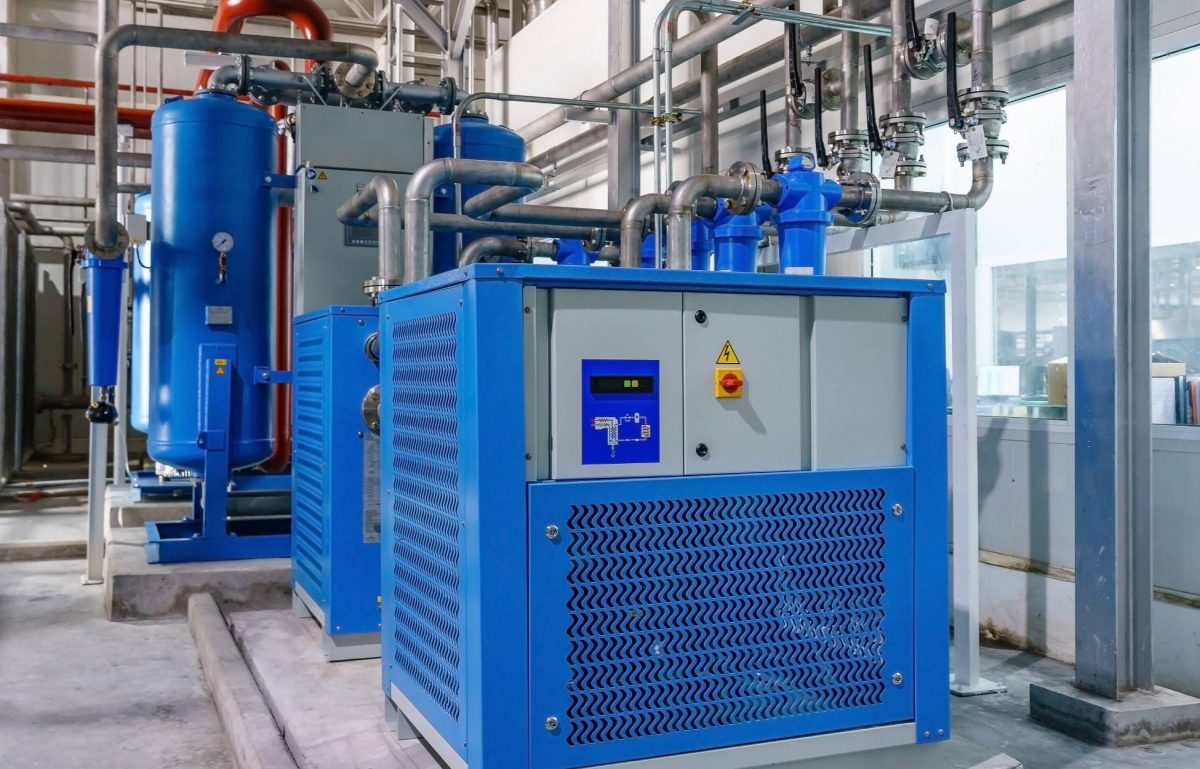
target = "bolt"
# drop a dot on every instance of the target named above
(701, 316)
(702, 450)
(897, 679)
(897, 510)
(552, 723)
(552, 532)
(359, 434)
(927, 735)
(528, 310)
(941, 732)
(361, 322)
(528, 456)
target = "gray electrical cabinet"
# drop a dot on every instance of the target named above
(338, 151)
(734, 383)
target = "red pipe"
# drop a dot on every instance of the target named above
(7, 77)
(308, 16)
(68, 118)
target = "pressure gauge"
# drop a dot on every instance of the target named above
(222, 242)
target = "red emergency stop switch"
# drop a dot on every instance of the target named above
(729, 382)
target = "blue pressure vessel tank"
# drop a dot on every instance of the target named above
(210, 157)
(480, 141)
(139, 379)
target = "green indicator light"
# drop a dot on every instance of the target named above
(628, 383)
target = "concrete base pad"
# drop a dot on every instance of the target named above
(1139, 719)
(137, 514)
(331, 713)
(42, 551)
(135, 589)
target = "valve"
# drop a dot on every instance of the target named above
(101, 412)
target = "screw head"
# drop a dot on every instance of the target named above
(897, 679)
(897, 510)
(701, 316)
(927, 735)
(702, 450)
(941, 732)
(552, 532)
(552, 723)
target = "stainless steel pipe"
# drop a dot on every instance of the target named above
(106, 236)
(41, 154)
(524, 250)
(418, 200)
(633, 225)
(383, 193)
(681, 212)
(600, 218)
(47, 34)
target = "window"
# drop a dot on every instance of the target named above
(1175, 243)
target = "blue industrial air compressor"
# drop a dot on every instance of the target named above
(630, 514)
(335, 477)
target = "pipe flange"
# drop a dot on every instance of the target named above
(997, 149)
(377, 285)
(868, 207)
(370, 409)
(912, 169)
(751, 179)
(353, 92)
(371, 347)
(106, 252)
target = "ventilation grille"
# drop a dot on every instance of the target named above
(308, 456)
(425, 518)
(691, 614)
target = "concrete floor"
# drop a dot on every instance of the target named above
(43, 520)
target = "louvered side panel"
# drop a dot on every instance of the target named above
(310, 403)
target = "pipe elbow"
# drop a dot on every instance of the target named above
(387, 191)
(687, 193)
(223, 77)
(427, 179)
(481, 249)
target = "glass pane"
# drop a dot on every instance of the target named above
(1175, 252)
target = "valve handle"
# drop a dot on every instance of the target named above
(872, 122)
(953, 108)
(818, 108)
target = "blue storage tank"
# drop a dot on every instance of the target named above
(210, 157)
(139, 379)
(480, 141)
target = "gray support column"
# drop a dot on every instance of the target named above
(1114, 575)
(624, 156)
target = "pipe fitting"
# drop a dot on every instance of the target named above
(383, 192)
(682, 211)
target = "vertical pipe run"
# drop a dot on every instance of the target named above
(850, 69)
(901, 101)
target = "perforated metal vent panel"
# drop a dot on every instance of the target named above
(425, 507)
(309, 402)
(747, 615)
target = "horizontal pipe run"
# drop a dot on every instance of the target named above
(47, 34)
(461, 223)
(52, 200)
(485, 248)
(69, 113)
(65, 82)
(532, 214)
(488, 201)
(67, 155)
(107, 229)
(289, 84)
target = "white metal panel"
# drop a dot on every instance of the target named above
(613, 325)
(859, 382)
(763, 430)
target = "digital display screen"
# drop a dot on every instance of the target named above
(362, 236)
(617, 385)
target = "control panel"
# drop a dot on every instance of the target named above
(620, 412)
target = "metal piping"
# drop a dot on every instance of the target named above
(484, 248)
(47, 34)
(418, 200)
(565, 215)
(383, 192)
(851, 76)
(230, 77)
(489, 200)
(107, 230)
(52, 200)
(492, 31)
(982, 30)
(459, 223)
(901, 97)
(681, 213)
(633, 225)
(735, 69)
(535, 8)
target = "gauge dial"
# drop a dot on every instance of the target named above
(222, 242)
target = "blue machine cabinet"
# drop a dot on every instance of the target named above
(560, 614)
(335, 479)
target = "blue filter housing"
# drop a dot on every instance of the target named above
(139, 378)
(210, 157)
(631, 514)
(335, 479)
(480, 141)
(103, 278)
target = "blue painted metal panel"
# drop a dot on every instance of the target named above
(680, 614)
(422, 635)
(335, 539)
(211, 155)
(927, 451)
(620, 412)
(139, 357)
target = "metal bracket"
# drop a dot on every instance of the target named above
(264, 375)
(280, 181)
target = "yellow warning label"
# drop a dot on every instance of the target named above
(220, 370)
(221, 361)
(322, 177)
(728, 357)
